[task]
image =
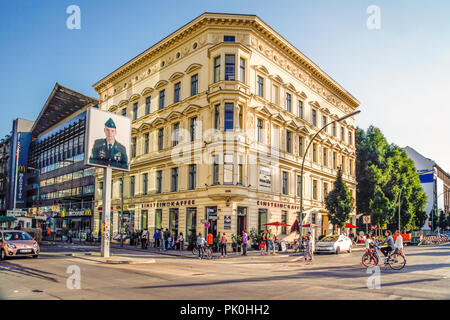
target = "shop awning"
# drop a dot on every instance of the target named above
(4, 219)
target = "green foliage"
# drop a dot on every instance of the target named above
(255, 237)
(236, 239)
(442, 220)
(339, 203)
(384, 174)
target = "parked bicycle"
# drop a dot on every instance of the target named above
(205, 251)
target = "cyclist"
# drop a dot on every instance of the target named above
(390, 243)
(201, 245)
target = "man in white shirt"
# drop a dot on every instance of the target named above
(399, 243)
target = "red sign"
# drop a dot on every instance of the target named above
(207, 224)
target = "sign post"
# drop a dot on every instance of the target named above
(106, 216)
(366, 220)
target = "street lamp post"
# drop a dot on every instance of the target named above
(304, 157)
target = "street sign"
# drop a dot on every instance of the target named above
(366, 219)
(207, 224)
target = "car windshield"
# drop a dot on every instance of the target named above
(330, 239)
(11, 236)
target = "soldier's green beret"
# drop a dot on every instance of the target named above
(110, 123)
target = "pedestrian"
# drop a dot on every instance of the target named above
(181, 242)
(144, 239)
(155, 238)
(169, 241)
(307, 252)
(223, 245)
(270, 242)
(244, 243)
(399, 244)
(162, 240)
(262, 245)
(200, 245)
(166, 238)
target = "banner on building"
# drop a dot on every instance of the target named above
(108, 140)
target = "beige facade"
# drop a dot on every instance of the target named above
(230, 95)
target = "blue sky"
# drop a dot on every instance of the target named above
(399, 73)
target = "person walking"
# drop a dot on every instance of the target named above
(155, 238)
(399, 244)
(180, 241)
(162, 240)
(263, 243)
(144, 239)
(166, 238)
(223, 245)
(201, 245)
(270, 245)
(307, 252)
(244, 243)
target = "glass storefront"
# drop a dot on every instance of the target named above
(241, 220)
(173, 220)
(144, 219)
(262, 220)
(158, 219)
(211, 216)
(191, 222)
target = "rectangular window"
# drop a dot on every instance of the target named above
(217, 69)
(325, 157)
(334, 160)
(343, 162)
(288, 141)
(228, 169)
(300, 146)
(285, 183)
(216, 116)
(324, 123)
(176, 134)
(240, 171)
(260, 86)
(132, 186)
(334, 129)
(342, 134)
(158, 219)
(174, 184)
(146, 143)
(299, 185)
(160, 139)
(192, 176)
(229, 38)
(314, 152)
(315, 189)
(124, 112)
(135, 111)
(300, 109)
(176, 92)
(158, 181)
(216, 170)
(162, 95)
(283, 220)
(260, 130)
(276, 95)
(351, 167)
(242, 70)
(229, 114)
(193, 128)
(325, 190)
(133, 147)
(191, 222)
(144, 183)
(147, 105)
(288, 102)
(194, 84)
(314, 117)
(230, 67)
(350, 138)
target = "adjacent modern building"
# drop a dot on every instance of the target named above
(435, 183)
(60, 186)
(222, 111)
(5, 154)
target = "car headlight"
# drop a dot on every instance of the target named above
(35, 245)
(11, 245)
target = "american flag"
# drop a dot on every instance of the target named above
(18, 149)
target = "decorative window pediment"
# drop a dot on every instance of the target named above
(261, 69)
(279, 117)
(144, 127)
(146, 91)
(289, 86)
(265, 111)
(122, 103)
(302, 95)
(191, 108)
(304, 130)
(292, 124)
(325, 110)
(174, 115)
(277, 79)
(134, 97)
(161, 83)
(193, 67)
(176, 76)
(113, 108)
(315, 104)
(134, 131)
(158, 121)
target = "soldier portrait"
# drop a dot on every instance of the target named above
(108, 151)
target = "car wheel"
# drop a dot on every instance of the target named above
(35, 256)
(338, 250)
(2, 255)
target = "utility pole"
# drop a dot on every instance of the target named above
(121, 212)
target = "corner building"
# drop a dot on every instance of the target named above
(222, 111)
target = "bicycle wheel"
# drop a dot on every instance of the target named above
(195, 251)
(209, 254)
(397, 263)
(368, 260)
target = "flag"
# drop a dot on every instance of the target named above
(18, 149)
(373, 227)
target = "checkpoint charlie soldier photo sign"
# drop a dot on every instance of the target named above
(108, 139)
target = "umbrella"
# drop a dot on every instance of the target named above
(348, 225)
(309, 225)
(277, 224)
(295, 226)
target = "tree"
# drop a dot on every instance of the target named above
(442, 220)
(339, 203)
(386, 179)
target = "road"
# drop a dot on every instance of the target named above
(426, 276)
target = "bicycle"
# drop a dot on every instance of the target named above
(396, 263)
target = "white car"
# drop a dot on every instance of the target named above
(334, 244)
